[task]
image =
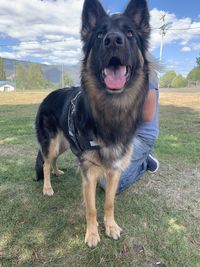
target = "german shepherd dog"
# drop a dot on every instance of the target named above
(98, 120)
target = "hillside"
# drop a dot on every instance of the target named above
(51, 72)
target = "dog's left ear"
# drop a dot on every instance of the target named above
(92, 12)
(137, 11)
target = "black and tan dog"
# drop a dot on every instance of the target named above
(99, 119)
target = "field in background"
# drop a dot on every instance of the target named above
(159, 214)
(186, 100)
(26, 98)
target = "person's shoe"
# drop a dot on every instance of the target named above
(152, 164)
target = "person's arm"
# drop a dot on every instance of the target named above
(149, 106)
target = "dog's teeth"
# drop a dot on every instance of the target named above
(105, 72)
(125, 70)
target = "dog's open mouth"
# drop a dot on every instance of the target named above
(115, 75)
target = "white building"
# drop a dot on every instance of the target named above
(6, 86)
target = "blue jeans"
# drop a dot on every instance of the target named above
(138, 165)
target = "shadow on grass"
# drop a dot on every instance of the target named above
(37, 230)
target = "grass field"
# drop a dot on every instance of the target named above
(159, 214)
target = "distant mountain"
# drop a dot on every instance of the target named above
(53, 73)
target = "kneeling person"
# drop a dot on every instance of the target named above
(143, 142)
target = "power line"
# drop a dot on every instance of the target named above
(182, 29)
(44, 41)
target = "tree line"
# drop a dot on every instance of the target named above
(173, 80)
(33, 78)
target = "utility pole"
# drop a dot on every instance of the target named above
(163, 29)
(62, 76)
(15, 78)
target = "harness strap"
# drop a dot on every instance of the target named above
(80, 141)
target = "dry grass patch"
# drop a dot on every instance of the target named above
(181, 100)
(20, 98)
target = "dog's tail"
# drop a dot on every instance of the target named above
(39, 167)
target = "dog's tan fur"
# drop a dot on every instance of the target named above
(111, 117)
(57, 146)
(95, 170)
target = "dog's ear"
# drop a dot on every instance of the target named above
(92, 12)
(137, 11)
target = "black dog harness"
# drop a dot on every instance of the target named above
(80, 141)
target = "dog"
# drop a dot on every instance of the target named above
(98, 120)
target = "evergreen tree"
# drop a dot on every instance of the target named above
(35, 78)
(21, 77)
(2, 71)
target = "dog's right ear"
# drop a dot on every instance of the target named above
(92, 12)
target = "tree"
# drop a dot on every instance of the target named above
(21, 77)
(35, 77)
(167, 78)
(2, 71)
(198, 62)
(194, 75)
(179, 81)
(67, 81)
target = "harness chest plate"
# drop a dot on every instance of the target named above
(80, 140)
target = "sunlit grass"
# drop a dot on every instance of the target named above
(159, 214)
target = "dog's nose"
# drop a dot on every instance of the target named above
(113, 39)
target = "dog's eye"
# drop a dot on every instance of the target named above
(129, 34)
(100, 35)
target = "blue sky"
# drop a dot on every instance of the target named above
(48, 31)
(173, 56)
(180, 8)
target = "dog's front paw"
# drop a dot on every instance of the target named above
(92, 238)
(48, 191)
(113, 230)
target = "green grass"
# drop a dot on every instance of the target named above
(159, 214)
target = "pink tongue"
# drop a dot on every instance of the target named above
(115, 78)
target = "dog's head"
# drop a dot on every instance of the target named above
(114, 45)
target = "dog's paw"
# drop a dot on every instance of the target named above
(92, 238)
(59, 173)
(48, 191)
(113, 230)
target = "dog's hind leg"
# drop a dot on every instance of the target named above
(49, 160)
(63, 146)
(47, 188)
(112, 229)
(56, 171)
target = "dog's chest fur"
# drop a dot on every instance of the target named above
(115, 157)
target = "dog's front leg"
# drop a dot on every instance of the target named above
(89, 191)
(112, 229)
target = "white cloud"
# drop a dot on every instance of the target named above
(192, 47)
(53, 28)
(58, 22)
(196, 46)
(178, 30)
(185, 49)
(184, 42)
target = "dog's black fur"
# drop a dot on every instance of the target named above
(110, 116)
